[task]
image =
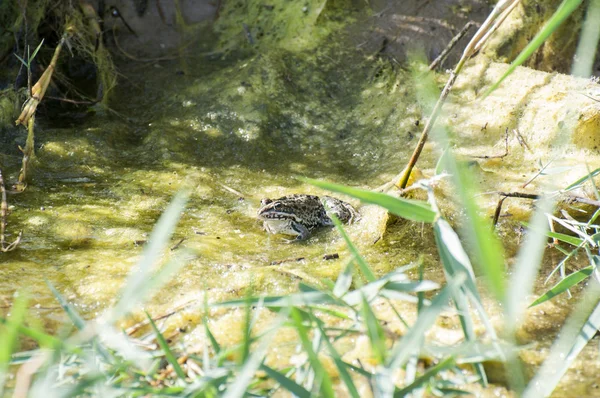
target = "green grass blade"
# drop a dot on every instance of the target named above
(413, 339)
(165, 347)
(453, 392)
(247, 332)
(526, 267)
(425, 377)
(521, 285)
(295, 299)
(388, 284)
(562, 13)
(326, 387)
(588, 41)
(440, 166)
(484, 245)
(166, 272)
(238, 388)
(22, 61)
(413, 210)
(212, 379)
(565, 238)
(213, 341)
(577, 332)
(286, 382)
(454, 258)
(344, 280)
(360, 261)
(134, 291)
(374, 332)
(44, 340)
(339, 363)
(37, 49)
(67, 307)
(466, 321)
(565, 284)
(9, 335)
(582, 180)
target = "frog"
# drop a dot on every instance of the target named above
(299, 214)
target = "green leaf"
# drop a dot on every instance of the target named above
(413, 339)
(374, 332)
(238, 388)
(295, 299)
(563, 11)
(565, 238)
(362, 264)
(565, 284)
(582, 180)
(425, 377)
(406, 208)
(579, 329)
(344, 280)
(326, 388)
(165, 347)
(286, 382)
(486, 249)
(339, 363)
(134, 291)
(22, 61)
(9, 335)
(67, 307)
(32, 57)
(454, 258)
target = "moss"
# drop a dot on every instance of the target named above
(8, 107)
(293, 25)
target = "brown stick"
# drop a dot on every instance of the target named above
(405, 174)
(534, 196)
(500, 11)
(451, 45)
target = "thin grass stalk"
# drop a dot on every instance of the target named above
(28, 153)
(9, 334)
(135, 289)
(521, 285)
(480, 37)
(566, 8)
(588, 41)
(4, 220)
(577, 332)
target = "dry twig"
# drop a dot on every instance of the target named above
(3, 216)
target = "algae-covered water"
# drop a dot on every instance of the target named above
(234, 130)
(233, 127)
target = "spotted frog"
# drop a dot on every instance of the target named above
(298, 214)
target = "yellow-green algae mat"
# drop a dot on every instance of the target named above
(240, 129)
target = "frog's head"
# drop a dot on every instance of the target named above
(275, 210)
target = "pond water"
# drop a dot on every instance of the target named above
(234, 128)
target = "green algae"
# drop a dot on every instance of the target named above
(236, 127)
(249, 122)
